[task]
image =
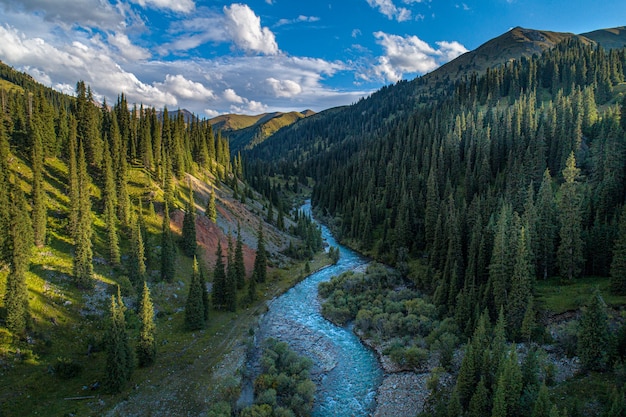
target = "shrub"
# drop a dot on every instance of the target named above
(66, 368)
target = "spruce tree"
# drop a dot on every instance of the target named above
(205, 296)
(119, 359)
(110, 207)
(189, 243)
(542, 403)
(230, 293)
(546, 227)
(5, 238)
(466, 380)
(260, 261)
(252, 292)
(570, 251)
(480, 403)
(240, 267)
(20, 238)
(211, 210)
(219, 280)
(194, 307)
(83, 253)
(168, 249)
(618, 265)
(594, 335)
(137, 258)
(40, 210)
(521, 286)
(146, 345)
(73, 190)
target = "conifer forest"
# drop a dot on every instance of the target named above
(140, 248)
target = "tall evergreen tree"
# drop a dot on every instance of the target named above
(5, 253)
(260, 261)
(146, 345)
(20, 241)
(521, 286)
(594, 335)
(189, 243)
(110, 207)
(618, 265)
(211, 210)
(40, 210)
(120, 361)
(219, 280)
(230, 294)
(168, 249)
(83, 253)
(73, 184)
(240, 267)
(570, 251)
(194, 307)
(137, 258)
(205, 296)
(546, 226)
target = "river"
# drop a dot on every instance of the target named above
(346, 372)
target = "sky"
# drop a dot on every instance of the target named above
(215, 57)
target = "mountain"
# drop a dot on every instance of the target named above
(608, 38)
(514, 44)
(246, 132)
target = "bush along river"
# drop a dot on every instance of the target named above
(347, 373)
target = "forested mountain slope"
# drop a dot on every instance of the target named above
(113, 220)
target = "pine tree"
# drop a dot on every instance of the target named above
(189, 243)
(240, 267)
(168, 249)
(40, 210)
(546, 226)
(83, 253)
(593, 335)
(542, 403)
(205, 297)
(480, 403)
(260, 261)
(230, 295)
(5, 238)
(211, 210)
(466, 380)
(521, 286)
(570, 251)
(120, 361)
(618, 265)
(20, 238)
(110, 207)
(146, 345)
(73, 184)
(252, 291)
(194, 307)
(137, 258)
(219, 280)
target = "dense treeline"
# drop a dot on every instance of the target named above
(520, 174)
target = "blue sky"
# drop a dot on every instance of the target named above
(215, 57)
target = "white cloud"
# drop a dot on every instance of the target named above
(231, 96)
(179, 6)
(179, 86)
(91, 13)
(210, 113)
(299, 19)
(285, 88)
(356, 32)
(410, 54)
(389, 9)
(244, 28)
(126, 47)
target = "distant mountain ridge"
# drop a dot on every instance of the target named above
(247, 131)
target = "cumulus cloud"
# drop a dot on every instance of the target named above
(181, 87)
(244, 28)
(179, 6)
(92, 13)
(285, 88)
(231, 96)
(410, 54)
(126, 48)
(389, 9)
